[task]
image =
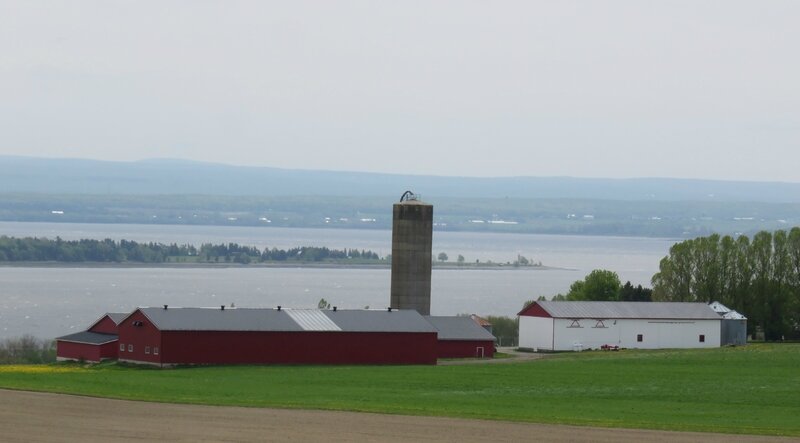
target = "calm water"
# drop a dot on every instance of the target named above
(48, 302)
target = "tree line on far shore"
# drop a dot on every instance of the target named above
(31, 249)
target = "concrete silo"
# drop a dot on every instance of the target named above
(412, 235)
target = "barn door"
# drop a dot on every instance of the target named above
(479, 352)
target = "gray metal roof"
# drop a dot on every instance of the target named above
(399, 320)
(286, 320)
(726, 312)
(632, 309)
(216, 319)
(92, 338)
(733, 315)
(459, 328)
(312, 320)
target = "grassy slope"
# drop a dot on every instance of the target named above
(754, 390)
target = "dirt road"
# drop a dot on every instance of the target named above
(41, 417)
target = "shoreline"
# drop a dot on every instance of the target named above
(309, 265)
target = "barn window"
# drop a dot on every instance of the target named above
(600, 324)
(122, 347)
(130, 348)
(147, 349)
(702, 338)
(639, 337)
(575, 324)
(155, 350)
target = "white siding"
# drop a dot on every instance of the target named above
(588, 332)
(536, 332)
(656, 334)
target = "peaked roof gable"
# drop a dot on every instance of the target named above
(115, 317)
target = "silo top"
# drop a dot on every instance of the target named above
(412, 202)
(413, 210)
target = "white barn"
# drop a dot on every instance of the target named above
(574, 325)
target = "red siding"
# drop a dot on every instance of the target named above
(208, 347)
(249, 347)
(84, 351)
(141, 337)
(534, 310)
(104, 326)
(109, 350)
(465, 348)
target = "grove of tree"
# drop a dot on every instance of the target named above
(759, 278)
(601, 285)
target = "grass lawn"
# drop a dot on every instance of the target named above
(752, 390)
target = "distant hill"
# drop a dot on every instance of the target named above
(79, 176)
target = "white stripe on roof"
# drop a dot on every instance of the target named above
(312, 320)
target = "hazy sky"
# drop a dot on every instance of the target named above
(704, 89)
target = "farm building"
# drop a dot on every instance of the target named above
(172, 336)
(485, 324)
(565, 325)
(733, 326)
(95, 344)
(461, 337)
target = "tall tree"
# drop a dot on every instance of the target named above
(599, 285)
(727, 267)
(628, 292)
(761, 260)
(793, 251)
(705, 283)
(673, 282)
(777, 300)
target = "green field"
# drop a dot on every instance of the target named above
(751, 390)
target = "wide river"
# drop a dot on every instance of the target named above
(51, 301)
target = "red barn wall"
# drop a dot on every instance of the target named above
(534, 310)
(105, 326)
(143, 339)
(307, 347)
(109, 350)
(265, 347)
(464, 348)
(77, 351)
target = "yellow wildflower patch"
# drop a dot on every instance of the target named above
(36, 369)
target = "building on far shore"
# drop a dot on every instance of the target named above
(577, 325)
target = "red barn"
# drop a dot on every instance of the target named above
(173, 336)
(462, 337)
(97, 343)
